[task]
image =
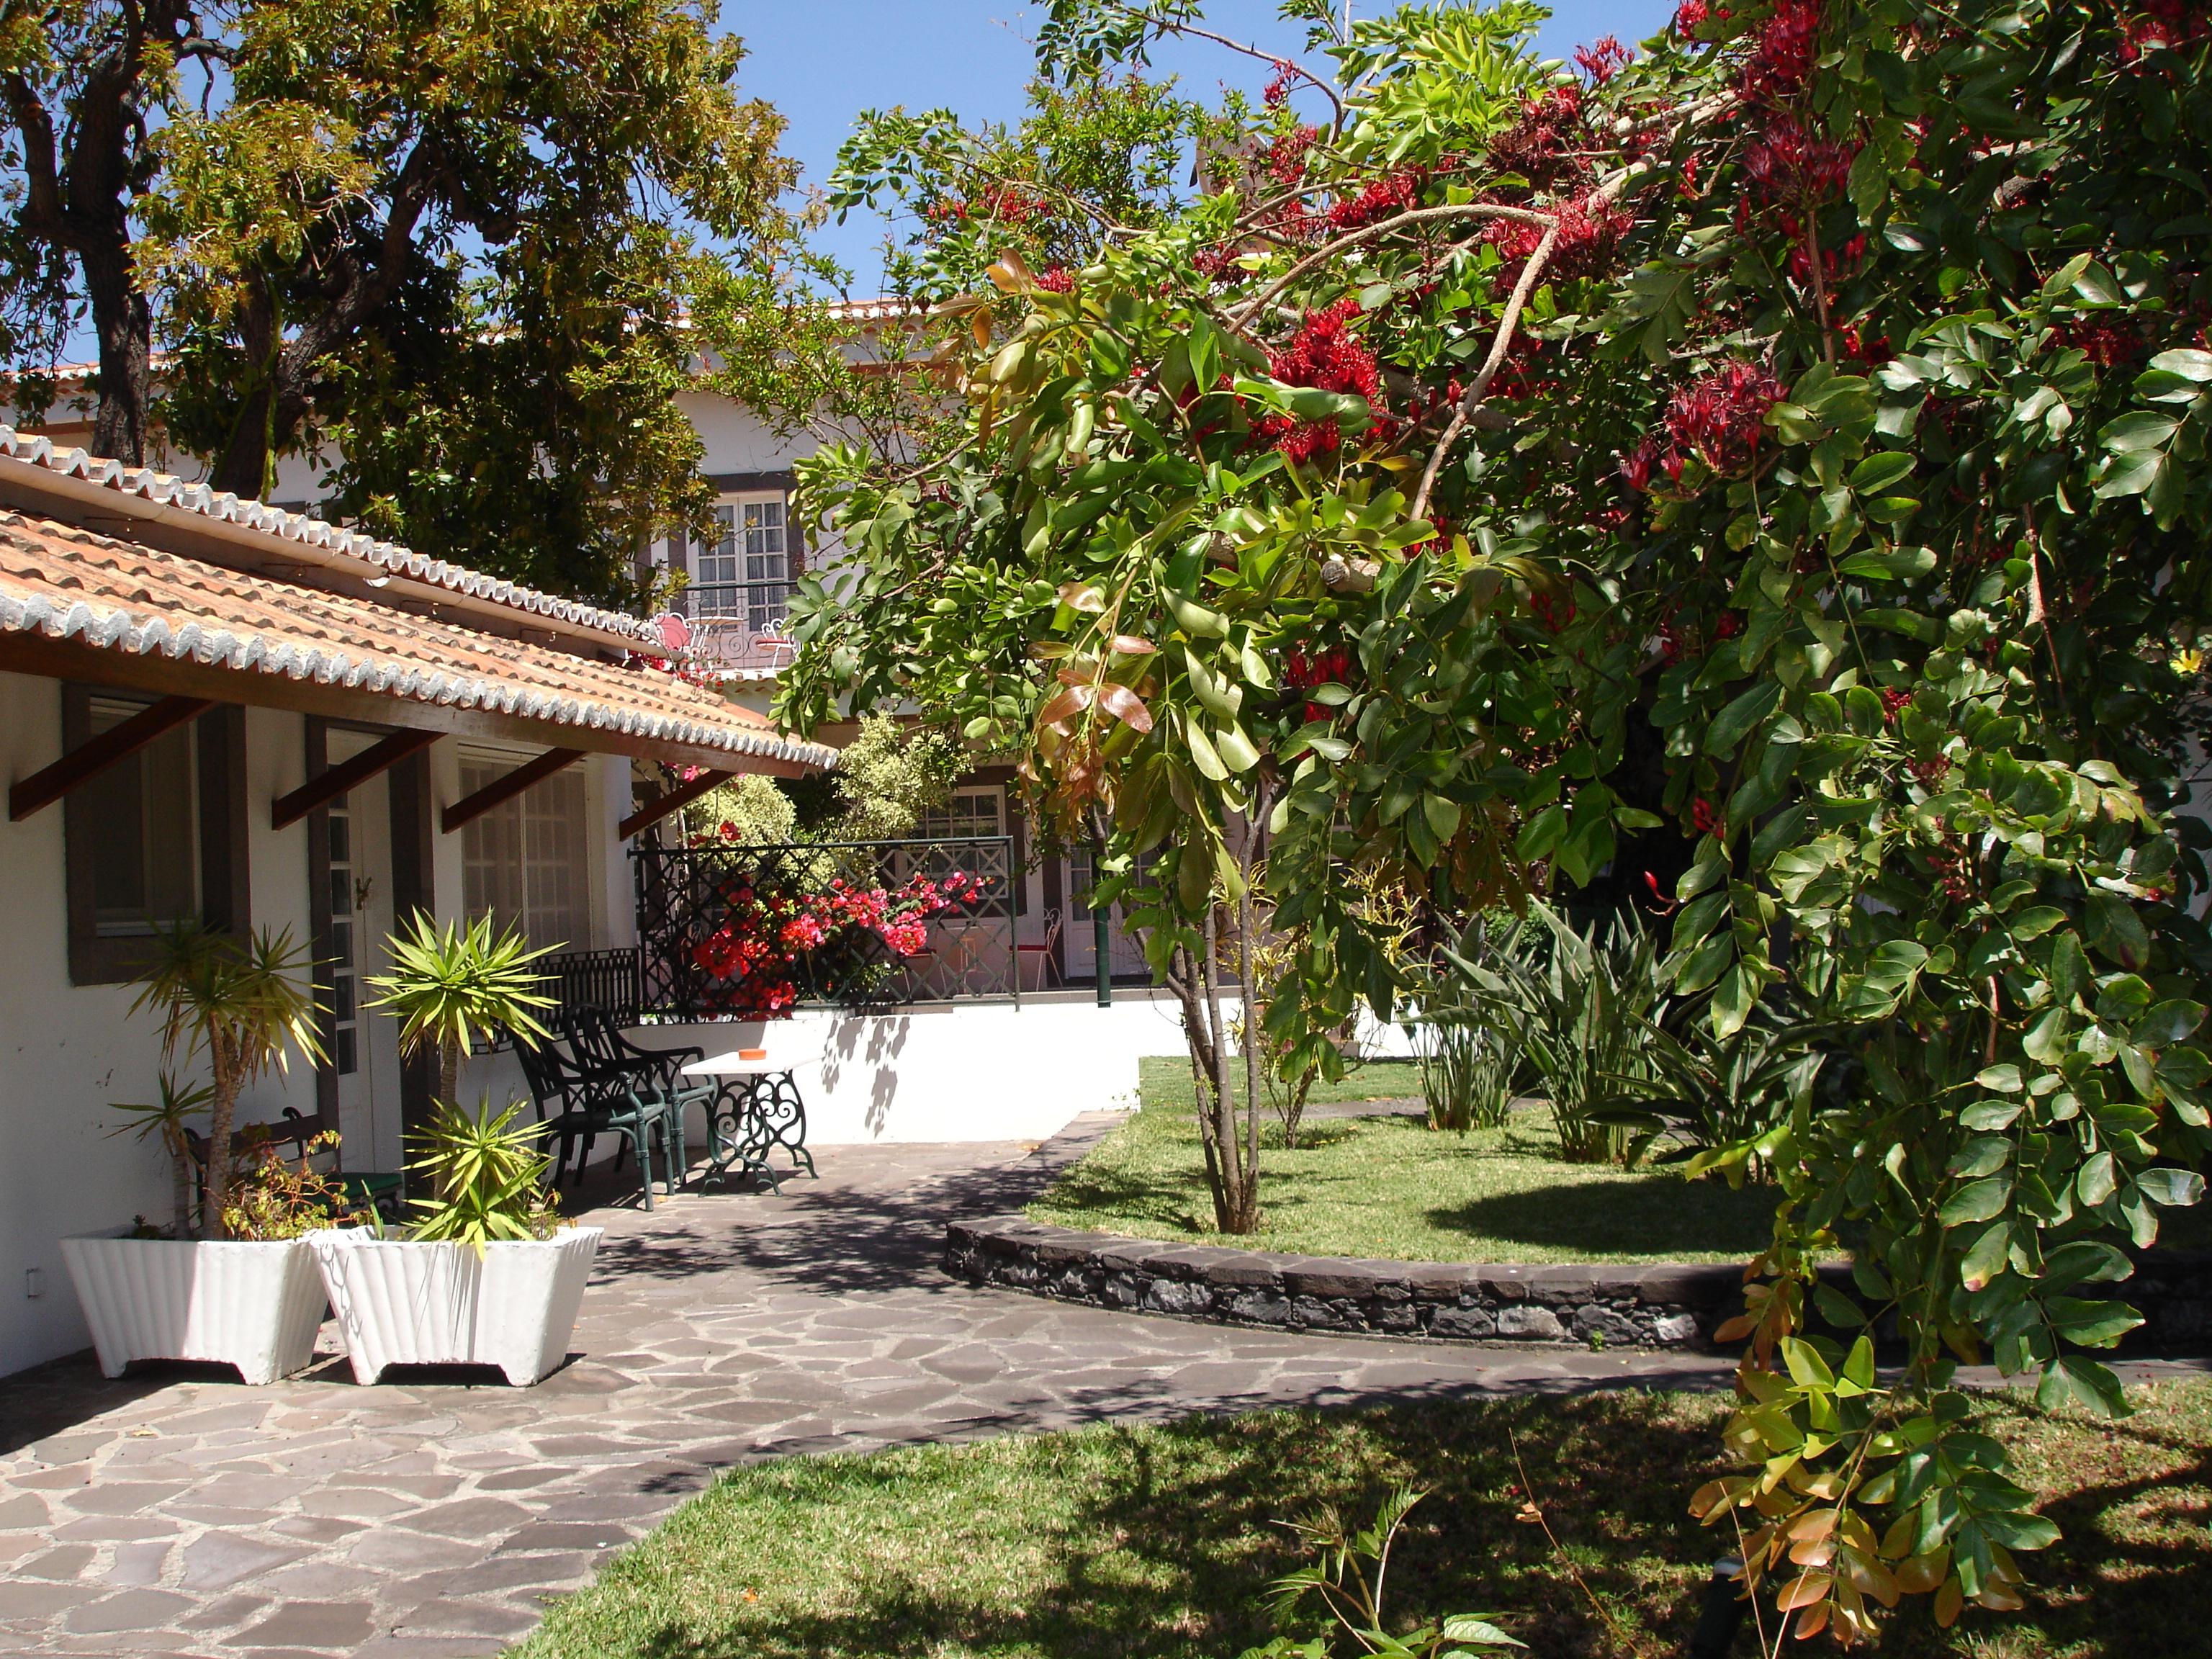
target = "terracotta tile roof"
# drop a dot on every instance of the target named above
(70, 583)
(374, 557)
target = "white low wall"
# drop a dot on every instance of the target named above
(942, 1073)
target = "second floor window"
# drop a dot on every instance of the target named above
(744, 575)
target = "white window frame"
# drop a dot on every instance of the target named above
(515, 835)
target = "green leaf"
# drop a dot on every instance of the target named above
(1874, 475)
(2186, 361)
(2170, 1188)
(1978, 1200)
(2141, 429)
(2169, 1022)
(1203, 753)
(1733, 722)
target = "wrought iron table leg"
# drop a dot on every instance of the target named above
(735, 1132)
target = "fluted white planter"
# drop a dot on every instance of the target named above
(254, 1304)
(404, 1302)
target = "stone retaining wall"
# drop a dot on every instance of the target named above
(1656, 1305)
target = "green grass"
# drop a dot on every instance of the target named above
(1128, 1543)
(1391, 1187)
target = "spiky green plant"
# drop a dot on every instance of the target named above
(245, 1001)
(450, 986)
(169, 1120)
(485, 1174)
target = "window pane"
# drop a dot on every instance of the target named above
(138, 823)
(527, 862)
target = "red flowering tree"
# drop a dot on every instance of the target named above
(1811, 406)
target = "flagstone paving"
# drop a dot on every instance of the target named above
(175, 1512)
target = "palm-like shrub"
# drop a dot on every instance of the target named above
(486, 1174)
(1579, 1007)
(1714, 1103)
(454, 986)
(168, 1119)
(243, 1001)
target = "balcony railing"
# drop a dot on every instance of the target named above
(747, 932)
(737, 625)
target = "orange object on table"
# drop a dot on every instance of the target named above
(753, 1054)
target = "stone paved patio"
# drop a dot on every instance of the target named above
(175, 1512)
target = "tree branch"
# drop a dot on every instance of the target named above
(1411, 216)
(1499, 346)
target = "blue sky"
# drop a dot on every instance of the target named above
(822, 62)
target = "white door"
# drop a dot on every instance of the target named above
(366, 1051)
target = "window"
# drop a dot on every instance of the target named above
(527, 862)
(343, 966)
(744, 574)
(155, 838)
(969, 812)
(137, 820)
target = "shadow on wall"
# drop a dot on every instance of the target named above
(886, 1037)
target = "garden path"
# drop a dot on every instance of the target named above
(167, 1513)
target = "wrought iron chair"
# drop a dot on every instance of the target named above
(652, 1074)
(576, 1100)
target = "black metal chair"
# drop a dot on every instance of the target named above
(652, 1074)
(577, 1100)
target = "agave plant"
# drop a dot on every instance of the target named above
(244, 1001)
(169, 1121)
(454, 986)
(486, 1174)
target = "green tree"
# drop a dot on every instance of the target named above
(455, 251)
(1823, 392)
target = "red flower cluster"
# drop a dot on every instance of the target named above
(1585, 238)
(1703, 818)
(2162, 26)
(1057, 280)
(1783, 56)
(1892, 703)
(1324, 353)
(2108, 345)
(1717, 416)
(1538, 145)
(1287, 75)
(1788, 165)
(753, 957)
(1548, 613)
(1835, 263)
(1604, 60)
(948, 210)
(1302, 672)
(1008, 204)
(1285, 158)
(1382, 198)
(1690, 16)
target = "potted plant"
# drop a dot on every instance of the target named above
(454, 987)
(488, 1275)
(221, 1291)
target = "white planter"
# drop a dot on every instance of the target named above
(250, 1304)
(402, 1302)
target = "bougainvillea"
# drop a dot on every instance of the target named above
(1836, 562)
(770, 944)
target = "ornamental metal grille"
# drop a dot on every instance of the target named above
(751, 931)
(604, 981)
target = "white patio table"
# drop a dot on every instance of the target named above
(757, 1109)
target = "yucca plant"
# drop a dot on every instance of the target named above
(486, 1175)
(1468, 1073)
(245, 1001)
(1579, 1013)
(451, 986)
(169, 1120)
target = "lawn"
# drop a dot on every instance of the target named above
(1391, 1186)
(1161, 1541)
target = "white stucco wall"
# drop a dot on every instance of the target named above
(67, 1052)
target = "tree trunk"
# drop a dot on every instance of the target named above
(449, 1073)
(222, 1061)
(125, 324)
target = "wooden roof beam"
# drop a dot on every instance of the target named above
(327, 785)
(672, 800)
(505, 787)
(88, 760)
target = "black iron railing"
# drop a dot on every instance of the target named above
(745, 931)
(604, 980)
